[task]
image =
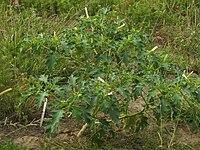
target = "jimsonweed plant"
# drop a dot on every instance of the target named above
(97, 68)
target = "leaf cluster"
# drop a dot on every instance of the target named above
(96, 69)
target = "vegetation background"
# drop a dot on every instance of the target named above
(34, 38)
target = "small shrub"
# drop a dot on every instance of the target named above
(95, 69)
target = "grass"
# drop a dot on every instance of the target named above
(16, 25)
(173, 25)
(8, 145)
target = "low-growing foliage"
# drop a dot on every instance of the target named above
(95, 69)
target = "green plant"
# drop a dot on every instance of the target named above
(104, 65)
(173, 25)
(95, 58)
(17, 24)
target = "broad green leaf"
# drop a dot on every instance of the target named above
(114, 114)
(39, 98)
(72, 80)
(152, 94)
(51, 61)
(86, 115)
(157, 115)
(130, 122)
(164, 105)
(105, 105)
(123, 91)
(142, 123)
(177, 101)
(55, 80)
(77, 113)
(65, 46)
(52, 127)
(137, 91)
(30, 91)
(126, 58)
(104, 122)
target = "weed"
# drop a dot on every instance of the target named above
(106, 62)
(92, 67)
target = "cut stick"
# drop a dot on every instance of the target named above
(153, 49)
(43, 112)
(121, 26)
(82, 130)
(86, 12)
(5, 91)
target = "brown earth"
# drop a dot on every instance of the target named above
(33, 137)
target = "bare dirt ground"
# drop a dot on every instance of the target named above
(34, 138)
